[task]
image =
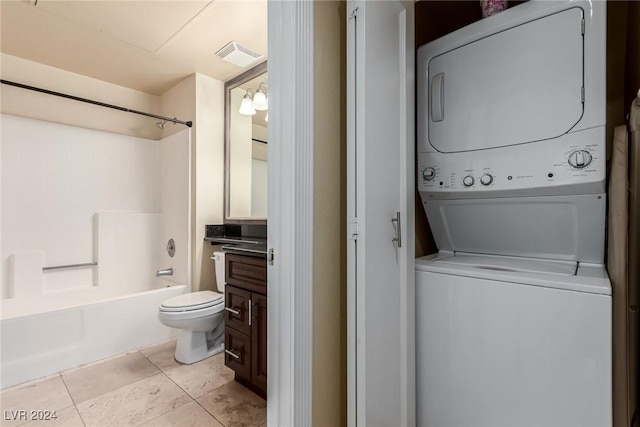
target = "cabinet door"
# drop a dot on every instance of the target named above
(247, 272)
(259, 341)
(237, 309)
(238, 352)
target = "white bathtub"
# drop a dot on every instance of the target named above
(36, 343)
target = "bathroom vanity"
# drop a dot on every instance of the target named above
(244, 233)
(246, 318)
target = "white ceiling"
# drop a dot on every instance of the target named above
(148, 45)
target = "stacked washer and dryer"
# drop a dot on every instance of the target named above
(513, 314)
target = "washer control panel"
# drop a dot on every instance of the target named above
(580, 159)
(544, 167)
(428, 173)
(486, 179)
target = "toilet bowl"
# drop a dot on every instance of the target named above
(199, 316)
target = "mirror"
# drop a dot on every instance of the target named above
(246, 147)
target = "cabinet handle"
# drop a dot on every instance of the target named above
(231, 310)
(250, 310)
(232, 354)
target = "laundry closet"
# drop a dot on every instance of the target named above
(498, 219)
(488, 250)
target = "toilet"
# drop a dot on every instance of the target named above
(199, 316)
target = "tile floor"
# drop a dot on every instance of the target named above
(142, 388)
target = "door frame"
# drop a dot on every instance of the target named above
(290, 212)
(290, 218)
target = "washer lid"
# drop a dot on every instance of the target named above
(587, 278)
(568, 228)
(514, 265)
(192, 301)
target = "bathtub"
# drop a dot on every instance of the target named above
(78, 330)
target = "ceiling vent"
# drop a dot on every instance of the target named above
(237, 54)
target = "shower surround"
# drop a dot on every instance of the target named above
(77, 196)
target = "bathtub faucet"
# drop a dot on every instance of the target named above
(165, 272)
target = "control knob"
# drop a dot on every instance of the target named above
(580, 159)
(468, 181)
(486, 179)
(428, 174)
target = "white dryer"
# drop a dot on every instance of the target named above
(513, 315)
(511, 110)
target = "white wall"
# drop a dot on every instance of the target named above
(259, 175)
(175, 177)
(259, 188)
(179, 101)
(202, 98)
(25, 103)
(259, 132)
(239, 159)
(208, 161)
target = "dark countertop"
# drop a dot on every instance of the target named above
(256, 247)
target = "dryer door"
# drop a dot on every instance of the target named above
(518, 85)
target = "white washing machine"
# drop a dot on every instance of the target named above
(512, 342)
(514, 313)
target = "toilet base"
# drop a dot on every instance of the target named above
(193, 346)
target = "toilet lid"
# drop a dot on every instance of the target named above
(192, 301)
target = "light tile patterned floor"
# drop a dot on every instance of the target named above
(142, 388)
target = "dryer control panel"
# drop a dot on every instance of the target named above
(576, 164)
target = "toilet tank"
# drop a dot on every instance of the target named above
(219, 260)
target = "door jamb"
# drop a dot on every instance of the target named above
(290, 212)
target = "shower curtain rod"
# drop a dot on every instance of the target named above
(90, 101)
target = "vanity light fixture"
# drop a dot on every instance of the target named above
(255, 101)
(260, 102)
(246, 106)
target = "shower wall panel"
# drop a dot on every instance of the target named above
(54, 179)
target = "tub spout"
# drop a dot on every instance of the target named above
(165, 272)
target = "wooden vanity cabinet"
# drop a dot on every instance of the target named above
(246, 320)
(259, 342)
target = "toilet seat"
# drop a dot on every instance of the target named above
(192, 301)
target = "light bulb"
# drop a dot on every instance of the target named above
(260, 101)
(246, 106)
